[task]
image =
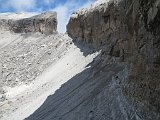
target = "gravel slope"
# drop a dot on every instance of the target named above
(34, 66)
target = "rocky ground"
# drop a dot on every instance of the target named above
(27, 55)
(42, 64)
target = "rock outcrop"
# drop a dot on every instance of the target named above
(44, 23)
(128, 32)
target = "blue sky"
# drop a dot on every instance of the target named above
(64, 8)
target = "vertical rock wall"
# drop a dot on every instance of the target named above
(128, 32)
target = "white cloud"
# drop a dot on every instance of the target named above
(48, 1)
(62, 16)
(64, 12)
(21, 5)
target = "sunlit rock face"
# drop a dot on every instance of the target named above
(44, 23)
(128, 32)
(127, 28)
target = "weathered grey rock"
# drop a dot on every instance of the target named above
(128, 32)
(43, 23)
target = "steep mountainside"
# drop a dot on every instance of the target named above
(34, 65)
(128, 33)
(108, 69)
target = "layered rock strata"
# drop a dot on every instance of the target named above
(128, 32)
(44, 23)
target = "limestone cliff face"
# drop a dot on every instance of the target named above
(44, 23)
(128, 32)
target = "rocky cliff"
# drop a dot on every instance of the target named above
(43, 23)
(108, 71)
(127, 31)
